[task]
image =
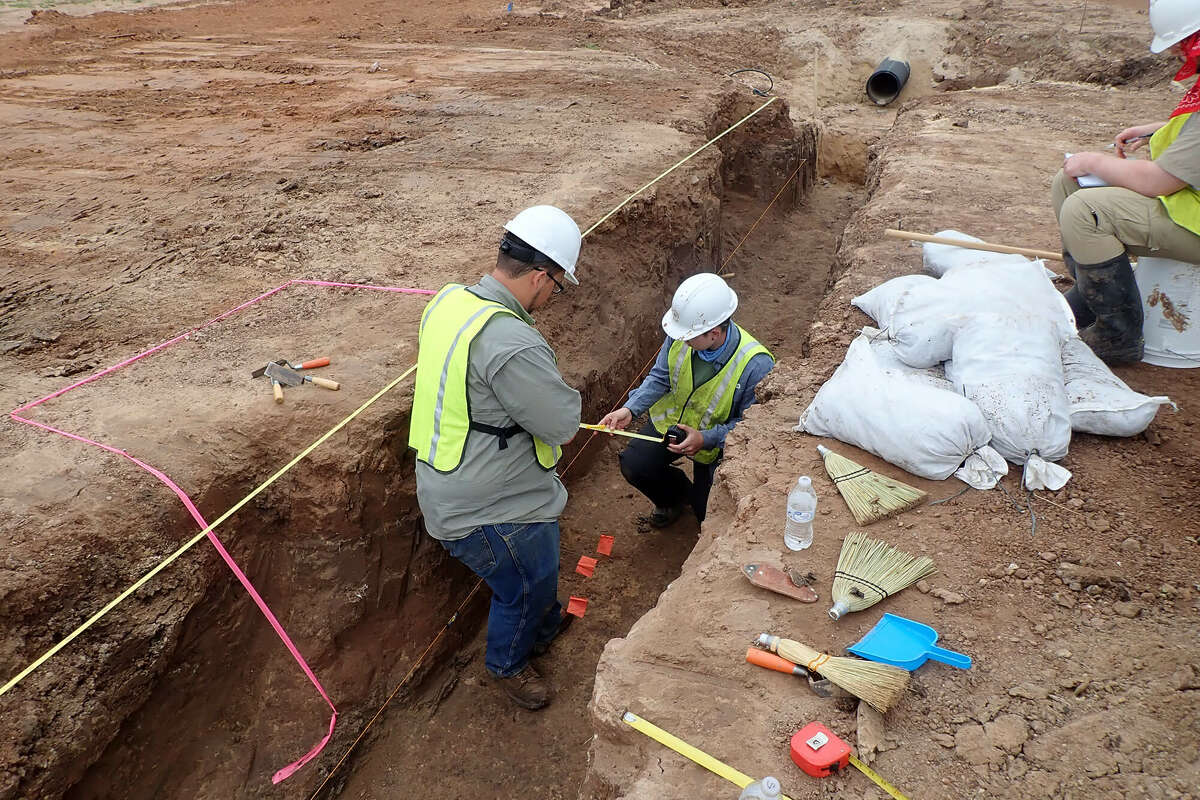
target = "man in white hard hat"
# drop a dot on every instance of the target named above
(490, 414)
(701, 384)
(1149, 207)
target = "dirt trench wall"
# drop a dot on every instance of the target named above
(184, 690)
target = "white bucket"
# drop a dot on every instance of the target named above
(1171, 299)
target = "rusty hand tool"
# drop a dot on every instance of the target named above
(767, 577)
(314, 363)
(290, 377)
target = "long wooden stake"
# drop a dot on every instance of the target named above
(891, 233)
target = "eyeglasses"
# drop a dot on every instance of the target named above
(558, 287)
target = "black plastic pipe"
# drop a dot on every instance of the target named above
(887, 81)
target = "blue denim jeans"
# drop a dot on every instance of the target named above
(520, 564)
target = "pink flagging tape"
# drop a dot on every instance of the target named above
(586, 566)
(290, 769)
(577, 606)
(605, 545)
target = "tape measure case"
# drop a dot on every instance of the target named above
(819, 752)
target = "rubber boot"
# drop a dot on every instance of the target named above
(1079, 307)
(1111, 292)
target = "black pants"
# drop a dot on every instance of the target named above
(648, 468)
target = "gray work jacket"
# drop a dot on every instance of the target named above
(512, 379)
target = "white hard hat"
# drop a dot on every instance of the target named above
(551, 232)
(1172, 21)
(701, 303)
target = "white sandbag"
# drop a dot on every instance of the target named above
(926, 315)
(924, 321)
(1010, 366)
(880, 303)
(1101, 402)
(925, 430)
(1019, 287)
(884, 350)
(938, 259)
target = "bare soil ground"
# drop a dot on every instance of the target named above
(160, 167)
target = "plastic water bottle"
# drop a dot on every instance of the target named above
(801, 507)
(766, 789)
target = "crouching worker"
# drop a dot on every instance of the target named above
(490, 413)
(702, 383)
(1150, 207)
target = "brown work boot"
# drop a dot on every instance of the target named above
(527, 688)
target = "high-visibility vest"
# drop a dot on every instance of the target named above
(1182, 206)
(441, 414)
(711, 402)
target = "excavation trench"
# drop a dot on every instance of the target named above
(219, 706)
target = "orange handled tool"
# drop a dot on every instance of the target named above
(316, 362)
(762, 658)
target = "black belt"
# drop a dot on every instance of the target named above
(502, 433)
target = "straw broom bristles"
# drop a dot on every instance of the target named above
(869, 570)
(879, 685)
(871, 496)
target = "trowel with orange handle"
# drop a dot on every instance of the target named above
(313, 364)
(285, 376)
(761, 658)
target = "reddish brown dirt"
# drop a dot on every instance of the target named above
(160, 167)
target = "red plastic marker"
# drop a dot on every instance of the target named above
(586, 566)
(577, 606)
(605, 546)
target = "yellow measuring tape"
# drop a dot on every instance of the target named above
(258, 490)
(589, 427)
(740, 779)
(874, 776)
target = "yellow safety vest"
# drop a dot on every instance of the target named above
(441, 413)
(1182, 206)
(708, 404)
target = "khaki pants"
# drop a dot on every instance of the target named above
(1099, 224)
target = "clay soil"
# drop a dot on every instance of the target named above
(161, 166)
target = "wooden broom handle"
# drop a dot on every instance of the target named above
(891, 233)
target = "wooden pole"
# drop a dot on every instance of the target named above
(991, 248)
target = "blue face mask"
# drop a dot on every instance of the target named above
(712, 355)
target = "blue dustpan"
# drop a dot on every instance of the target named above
(903, 643)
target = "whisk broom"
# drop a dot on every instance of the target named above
(871, 496)
(869, 570)
(879, 685)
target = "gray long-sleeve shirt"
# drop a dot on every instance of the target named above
(512, 379)
(658, 383)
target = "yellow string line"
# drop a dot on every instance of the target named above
(686, 158)
(196, 539)
(304, 453)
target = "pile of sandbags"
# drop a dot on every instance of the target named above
(1005, 341)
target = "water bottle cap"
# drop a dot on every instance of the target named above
(804, 481)
(771, 785)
